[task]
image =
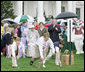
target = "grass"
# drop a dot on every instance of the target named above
(50, 65)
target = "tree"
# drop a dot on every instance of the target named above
(7, 10)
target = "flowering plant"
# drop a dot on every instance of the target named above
(66, 52)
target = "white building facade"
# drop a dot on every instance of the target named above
(37, 8)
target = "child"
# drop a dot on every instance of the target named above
(8, 41)
(43, 43)
(15, 51)
(58, 46)
(22, 50)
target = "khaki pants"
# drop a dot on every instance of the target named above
(14, 62)
(9, 52)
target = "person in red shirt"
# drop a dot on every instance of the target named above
(37, 26)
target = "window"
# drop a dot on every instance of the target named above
(62, 9)
(78, 12)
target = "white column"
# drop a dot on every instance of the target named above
(82, 13)
(45, 5)
(70, 6)
(54, 9)
(40, 12)
(58, 7)
(19, 7)
(74, 7)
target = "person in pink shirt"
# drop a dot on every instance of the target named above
(16, 29)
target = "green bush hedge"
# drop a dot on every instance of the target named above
(67, 44)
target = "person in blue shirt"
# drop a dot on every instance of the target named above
(24, 28)
(22, 50)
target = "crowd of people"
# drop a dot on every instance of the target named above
(32, 40)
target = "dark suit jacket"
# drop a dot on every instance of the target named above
(54, 34)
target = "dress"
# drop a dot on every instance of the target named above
(32, 37)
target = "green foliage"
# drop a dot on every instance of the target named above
(7, 10)
(67, 44)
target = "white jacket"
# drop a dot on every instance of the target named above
(41, 43)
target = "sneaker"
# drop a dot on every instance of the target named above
(14, 66)
(44, 66)
(31, 62)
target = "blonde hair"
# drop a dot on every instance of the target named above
(18, 39)
(17, 25)
(46, 34)
(7, 29)
(11, 30)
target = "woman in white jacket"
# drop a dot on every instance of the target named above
(32, 37)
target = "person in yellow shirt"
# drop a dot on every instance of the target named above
(2, 31)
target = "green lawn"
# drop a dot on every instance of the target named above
(50, 65)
